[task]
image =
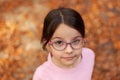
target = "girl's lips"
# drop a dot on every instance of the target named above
(68, 58)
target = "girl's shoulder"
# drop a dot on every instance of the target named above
(40, 71)
(87, 52)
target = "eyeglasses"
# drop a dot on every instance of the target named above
(59, 44)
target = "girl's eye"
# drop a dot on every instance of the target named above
(75, 42)
(58, 42)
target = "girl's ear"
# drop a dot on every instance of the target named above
(42, 45)
(48, 48)
(84, 41)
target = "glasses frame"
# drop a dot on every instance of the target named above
(66, 44)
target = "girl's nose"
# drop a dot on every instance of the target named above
(68, 49)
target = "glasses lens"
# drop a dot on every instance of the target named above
(59, 45)
(76, 44)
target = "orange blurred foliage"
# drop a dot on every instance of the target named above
(20, 30)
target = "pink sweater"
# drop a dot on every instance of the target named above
(83, 71)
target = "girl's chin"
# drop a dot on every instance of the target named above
(68, 63)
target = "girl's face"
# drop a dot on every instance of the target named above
(65, 46)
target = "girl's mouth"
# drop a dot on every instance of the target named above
(68, 58)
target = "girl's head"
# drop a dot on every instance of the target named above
(59, 16)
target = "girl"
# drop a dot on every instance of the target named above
(64, 37)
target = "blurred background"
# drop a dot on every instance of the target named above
(21, 24)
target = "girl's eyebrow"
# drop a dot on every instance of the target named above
(77, 37)
(56, 38)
